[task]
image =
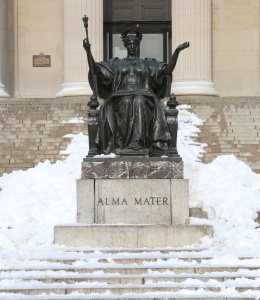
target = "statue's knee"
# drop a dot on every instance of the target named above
(126, 100)
(139, 100)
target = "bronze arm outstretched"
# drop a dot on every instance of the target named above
(172, 63)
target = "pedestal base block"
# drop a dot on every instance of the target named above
(133, 201)
(130, 236)
(132, 168)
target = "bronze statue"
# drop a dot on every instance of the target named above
(132, 116)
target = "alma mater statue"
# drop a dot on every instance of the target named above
(132, 116)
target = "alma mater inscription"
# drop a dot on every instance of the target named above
(135, 201)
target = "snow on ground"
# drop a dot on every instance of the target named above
(227, 189)
(75, 120)
(32, 202)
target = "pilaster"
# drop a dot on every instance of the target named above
(13, 48)
(191, 21)
(3, 92)
(75, 60)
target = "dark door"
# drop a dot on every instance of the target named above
(151, 17)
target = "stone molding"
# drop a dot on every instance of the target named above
(74, 89)
(194, 88)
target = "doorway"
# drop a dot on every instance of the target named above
(151, 17)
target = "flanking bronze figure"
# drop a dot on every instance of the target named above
(132, 119)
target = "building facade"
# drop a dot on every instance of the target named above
(223, 58)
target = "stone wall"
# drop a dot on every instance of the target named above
(32, 130)
(235, 43)
(40, 29)
(231, 127)
(30, 28)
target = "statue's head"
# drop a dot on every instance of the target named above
(136, 37)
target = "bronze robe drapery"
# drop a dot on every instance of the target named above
(132, 118)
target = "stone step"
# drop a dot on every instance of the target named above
(65, 289)
(128, 257)
(180, 253)
(168, 296)
(139, 269)
(247, 142)
(124, 279)
(85, 273)
(215, 154)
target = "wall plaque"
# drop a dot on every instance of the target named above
(41, 60)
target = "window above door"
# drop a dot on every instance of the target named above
(151, 17)
(137, 10)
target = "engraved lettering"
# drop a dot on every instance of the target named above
(146, 201)
(165, 199)
(138, 202)
(124, 201)
(158, 200)
(100, 201)
(152, 200)
(115, 202)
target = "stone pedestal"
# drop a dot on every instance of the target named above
(131, 236)
(132, 168)
(132, 202)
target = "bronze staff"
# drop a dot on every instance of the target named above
(86, 41)
(93, 113)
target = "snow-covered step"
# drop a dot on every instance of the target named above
(99, 274)
(189, 295)
(133, 260)
(138, 261)
(142, 269)
(182, 251)
(65, 289)
(124, 279)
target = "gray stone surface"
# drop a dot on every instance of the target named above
(198, 213)
(85, 201)
(133, 201)
(134, 236)
(132, 168)
(180, 200)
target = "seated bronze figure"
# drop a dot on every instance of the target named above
(132, 116)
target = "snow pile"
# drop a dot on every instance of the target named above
(32, 202)
(227, 189)
(189, 150)
(229, 192)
